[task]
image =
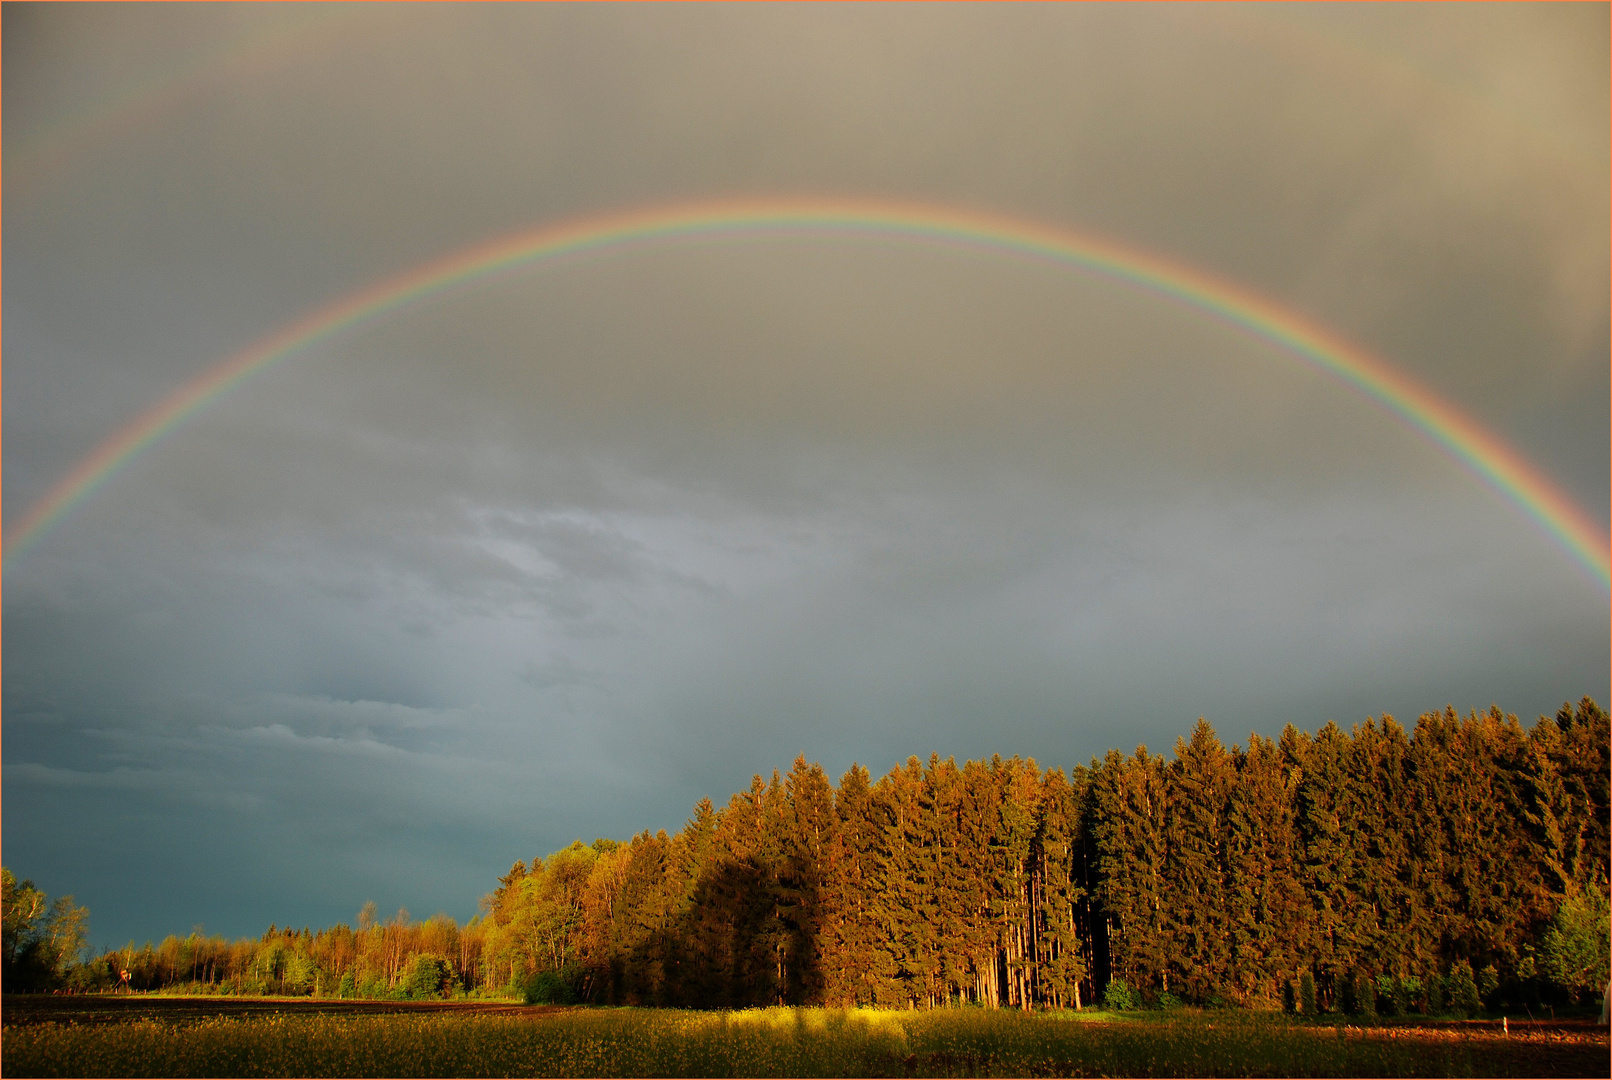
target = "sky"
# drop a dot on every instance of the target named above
(557, 553)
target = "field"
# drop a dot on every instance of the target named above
(162, 1036)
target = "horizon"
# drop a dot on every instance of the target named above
(1232, 748)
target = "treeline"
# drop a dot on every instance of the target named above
(1344, 870)
(395, 958)
(1463, 864)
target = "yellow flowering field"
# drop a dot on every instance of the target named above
(785, 1042)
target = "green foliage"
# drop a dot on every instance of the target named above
(1117, 996)
(427, 976)
(1407, 993)
(1289, 997)
(1307, 993)
(347, 987)
(1573, 953)
(1488, 985)
(1389, 996)
(1347, 996)
(1463, 990)
(1437, 997)
(549, 988)
(299, 973)
(1168, 1001)
(41, 940)
(1359, 996)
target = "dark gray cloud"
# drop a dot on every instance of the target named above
(559, 554)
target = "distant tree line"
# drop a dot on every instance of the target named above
(1464, 864)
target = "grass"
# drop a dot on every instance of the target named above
(784, 1042)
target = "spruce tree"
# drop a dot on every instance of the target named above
(1266, 906)
(977, 815)
(1059, 953)
(1129, 808)
(947, 969)
(808, 828)
(1391, 929)
(1017, 784)
(1324, 798)
(899, 942)
(847, 942)
(1195, 916)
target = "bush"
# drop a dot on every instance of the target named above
(1168, 1001)
(1489, 986)
(1433, 1002)
(549, 988)
(1573, 952)
(1307, 993)
(1364, 992)
(1407, 992)
(1388, 998)
(1290, 1002)
(426, 976)
(1463, 989)
(346, 988)
(1399, 994)
(1348, 997)
(1117, 996)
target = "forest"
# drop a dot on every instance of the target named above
(1459, 866)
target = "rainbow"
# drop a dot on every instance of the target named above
(1490, 459)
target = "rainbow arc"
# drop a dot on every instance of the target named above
(1488, 457)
